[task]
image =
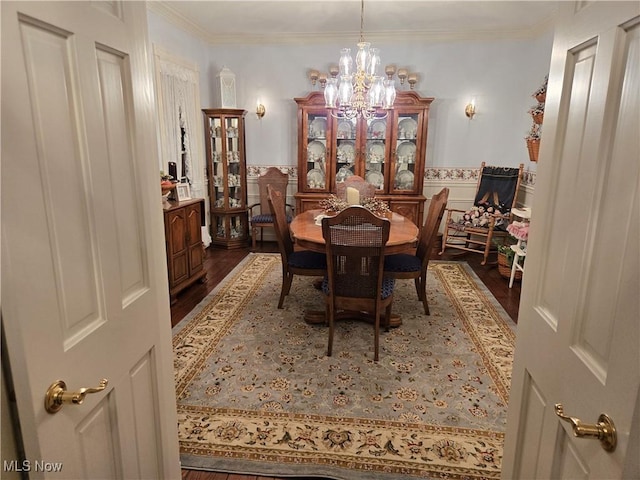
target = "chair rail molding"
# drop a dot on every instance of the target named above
(461, 182)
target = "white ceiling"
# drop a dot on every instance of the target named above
(308, 21)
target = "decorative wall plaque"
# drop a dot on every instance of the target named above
(227, 88)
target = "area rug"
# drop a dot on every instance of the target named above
(257, 394)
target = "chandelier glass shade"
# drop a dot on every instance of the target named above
(358, 89)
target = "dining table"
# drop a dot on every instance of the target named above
(306, 232)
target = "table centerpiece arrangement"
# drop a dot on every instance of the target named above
(334, 205)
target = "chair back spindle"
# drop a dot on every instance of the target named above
(355, 243)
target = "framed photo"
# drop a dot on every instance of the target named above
(183, 192)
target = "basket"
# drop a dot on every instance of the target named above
(505, 269)
(537, 118)
(541, 97)
(533, 146)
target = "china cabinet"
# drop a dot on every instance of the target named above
(388, 152)
(227, 176)
(183, 237)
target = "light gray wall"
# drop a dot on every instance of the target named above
(500, 74)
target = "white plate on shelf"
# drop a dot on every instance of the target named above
(406, 152)
(378, 129)
(375, 151)
(346, 151)
(316, 151)
(404, 180)
(315, 178)
(318, 128)
(375, 178)
(374, 166)
(343, 174)
(345, 129)
(407, 128)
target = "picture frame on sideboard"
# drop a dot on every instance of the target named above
(183, 192)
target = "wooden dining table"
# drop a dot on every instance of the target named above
(306, 231)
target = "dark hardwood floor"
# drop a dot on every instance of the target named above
(219, 263)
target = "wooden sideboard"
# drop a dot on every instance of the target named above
(183, 238)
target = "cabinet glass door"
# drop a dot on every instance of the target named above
(406, 151)
(346, 149)
(316, 151)
(217, 162)
(234, 166)
(375, 152)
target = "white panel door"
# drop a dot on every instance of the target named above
(578, 329)
(84, 285)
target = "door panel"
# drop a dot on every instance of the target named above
(578, 333)
(115, 93)
(96, 442)
(84, 288)
(570, 176)
(568, 462)
(195, 244)
(55, 101)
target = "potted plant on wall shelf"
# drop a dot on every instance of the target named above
(541, 93)
(537, 113)
(533, 141)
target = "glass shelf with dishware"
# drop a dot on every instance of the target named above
(317, 127)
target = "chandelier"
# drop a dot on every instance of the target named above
(360, 92)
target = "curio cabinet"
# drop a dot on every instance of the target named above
(227, 176)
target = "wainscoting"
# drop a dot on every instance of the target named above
(461, 182)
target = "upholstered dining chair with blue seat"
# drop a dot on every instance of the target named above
(355, 243)
(260, 214)
(407, 266)
(300, 262)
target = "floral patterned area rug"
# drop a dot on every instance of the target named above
(257, 394)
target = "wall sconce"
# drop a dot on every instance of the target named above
(412, 79)
(470, 109)
(313, 76)
(318, 77)
(260, 110)
(323, 80)
(402, 75)
(390, 70)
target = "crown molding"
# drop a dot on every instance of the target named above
(165, 10)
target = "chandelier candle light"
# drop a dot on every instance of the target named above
(362, 91)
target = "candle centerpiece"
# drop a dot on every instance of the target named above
(333, 204)
(353, 196)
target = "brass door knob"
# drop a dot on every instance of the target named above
(604, 430)
(57, 395)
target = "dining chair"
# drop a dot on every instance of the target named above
(300, 262)
(355, 242)
(260, 214)
(404, 265)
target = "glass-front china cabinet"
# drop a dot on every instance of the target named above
(227, 176)
(388, 152)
